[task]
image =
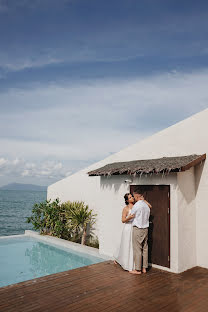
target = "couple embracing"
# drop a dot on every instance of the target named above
(134, 240)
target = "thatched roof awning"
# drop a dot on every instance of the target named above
(160, 165)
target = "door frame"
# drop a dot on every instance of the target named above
(169, 220)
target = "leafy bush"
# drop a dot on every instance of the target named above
(48, 217)
(92, 242)
(78, 218)
(71, 220)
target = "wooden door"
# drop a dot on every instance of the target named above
(159, 229)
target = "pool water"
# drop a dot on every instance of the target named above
(25, 258)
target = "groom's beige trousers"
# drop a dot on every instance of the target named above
(140, 247)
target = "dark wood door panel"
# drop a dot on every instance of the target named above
(159, 230)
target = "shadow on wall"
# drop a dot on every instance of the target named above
(112, 182)
(187, 189)
(115, 182)
(198, 173)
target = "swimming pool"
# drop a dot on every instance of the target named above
(23, 258)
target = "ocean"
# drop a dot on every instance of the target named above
(15, 207)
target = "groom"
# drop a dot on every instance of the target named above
(140, 233)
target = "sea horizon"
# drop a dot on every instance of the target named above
(15, 207)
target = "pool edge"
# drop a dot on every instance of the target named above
(67, 244)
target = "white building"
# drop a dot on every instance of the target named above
(180, 227)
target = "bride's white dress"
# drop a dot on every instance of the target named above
(125, 253)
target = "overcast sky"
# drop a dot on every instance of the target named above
(81, 79)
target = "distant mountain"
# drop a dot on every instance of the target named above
(23, 187)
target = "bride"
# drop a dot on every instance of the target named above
(125, 254)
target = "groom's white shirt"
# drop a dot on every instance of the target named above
(142, 213)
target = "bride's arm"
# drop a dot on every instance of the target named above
(124, 216)
(150, 206)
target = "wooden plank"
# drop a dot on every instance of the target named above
(106, 287)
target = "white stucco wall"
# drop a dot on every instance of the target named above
(186, 220)
(201, 186)
(185, 138)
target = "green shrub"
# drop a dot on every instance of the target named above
(48, 217)
(78, 218)
(70, 220)
(93, 242)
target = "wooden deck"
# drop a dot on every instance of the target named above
(106, 287)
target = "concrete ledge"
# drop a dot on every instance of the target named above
(12, 236)
(67, 244)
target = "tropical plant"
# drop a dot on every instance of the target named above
(70, 220)
(48, 217)
(79, 217)
(93, 242)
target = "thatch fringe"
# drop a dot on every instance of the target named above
(160, 165)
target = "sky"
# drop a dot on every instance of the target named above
(82, 79)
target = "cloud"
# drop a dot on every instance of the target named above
(83, 36)
(16, 161)
(53, 131)
(49, 169)
(3, 161)
(13, 63)
(20, 167)
(22, 64)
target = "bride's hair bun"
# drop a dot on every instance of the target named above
(126, 197)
